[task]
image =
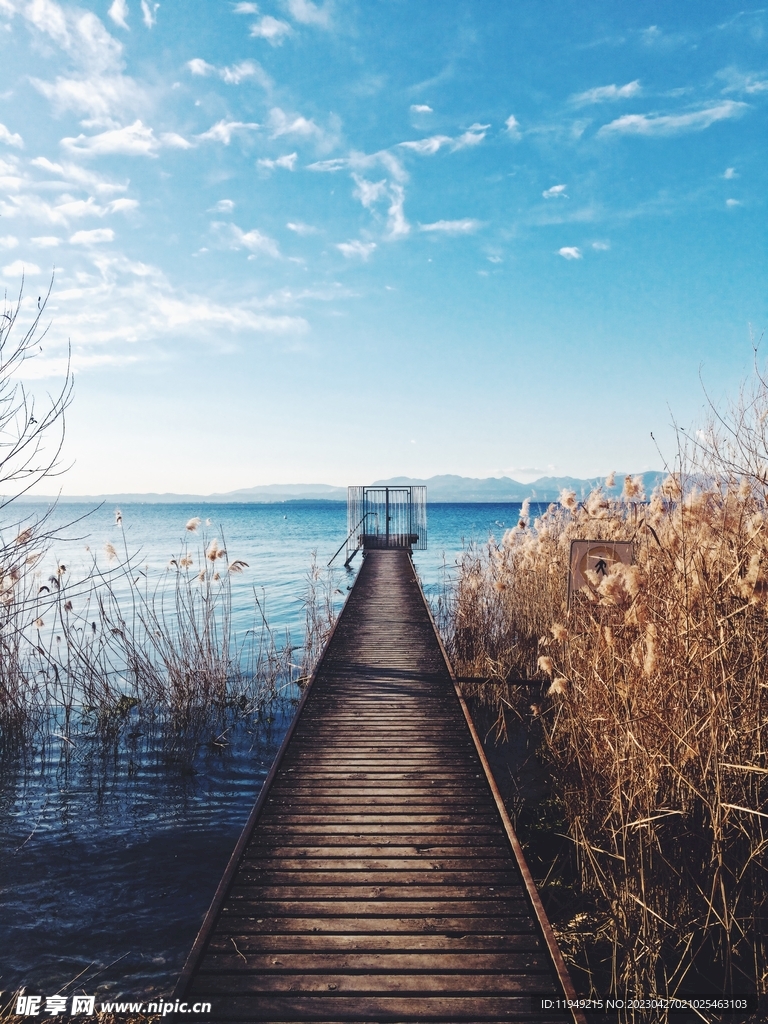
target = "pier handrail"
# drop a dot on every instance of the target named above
(350, 534)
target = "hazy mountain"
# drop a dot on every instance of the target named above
(439, 488)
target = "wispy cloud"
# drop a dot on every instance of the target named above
(421, 108)
(232, 75)
(570, 252)
(672, 124)
(512, 127)
(118, 12)
(254, 241)
(223, 206)
(356, 249)
(300, 228)
(308, 13)
(601, 246)
(472, 137)
(135, 139)
(10, 138)
(271, 29)
(555, 192)
(246, 8)
(149, 13)
(8, 242)
(281, 123)
(427, 147)
(70, 173)
(607, 93)
(288, 162)
(46, 241)
(93, 237)
(20, 269)
(464, 226)
(223, 130)
(730, 173)
(738, 81)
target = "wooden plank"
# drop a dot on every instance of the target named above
(330, 1008)
(376, 879)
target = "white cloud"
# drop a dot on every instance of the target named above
(31, 207)
(556, 192)
(122, 205)
(513, 127)
(246, 8)
(133, 140)
(730, 173)
(118, 12)
(198, 66)
(369, 192)
(46, 241)
(8, 242)
(732, 202)
(607, 93)
(301, 229)
(421, 108)
(223, 131)
(126, 306)
(96, 86)
(426, 147)
(570, 252)
(338, 163)
(739, 82)
(397, 225)
(271, 29)
(671, 124)
(472, 137)
(601, 246)
(149, 13)
(254, 241)
(94, 237)
(281, 123)
(356, 248)
(453, 227)
(20, 269)
(10, 138)
(223, 206)
(100, 97)
(288, 162)
(307, 13)
(237, 73)
(74, 174)
(233, 75)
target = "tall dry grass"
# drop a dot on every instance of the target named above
(120, 640)
(655, 714)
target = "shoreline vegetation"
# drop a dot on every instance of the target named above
(92, 652)
(653, 714)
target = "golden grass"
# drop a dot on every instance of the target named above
(656, 711)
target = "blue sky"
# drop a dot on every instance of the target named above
(300, 242)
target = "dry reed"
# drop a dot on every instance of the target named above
(655, 705)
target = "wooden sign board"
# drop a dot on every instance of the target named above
(597, 555)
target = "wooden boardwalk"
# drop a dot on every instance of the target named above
(377, 878)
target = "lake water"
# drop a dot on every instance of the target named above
(110, 857)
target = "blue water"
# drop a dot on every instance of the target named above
(109, 857)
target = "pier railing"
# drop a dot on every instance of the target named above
(386, 517)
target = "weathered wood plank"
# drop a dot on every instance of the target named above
(377, 881)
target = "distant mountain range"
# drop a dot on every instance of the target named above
(447, 488)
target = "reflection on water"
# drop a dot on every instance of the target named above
(110, 857)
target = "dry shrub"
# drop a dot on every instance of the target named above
(656, 714)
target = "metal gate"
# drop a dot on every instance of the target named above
(386, 517)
